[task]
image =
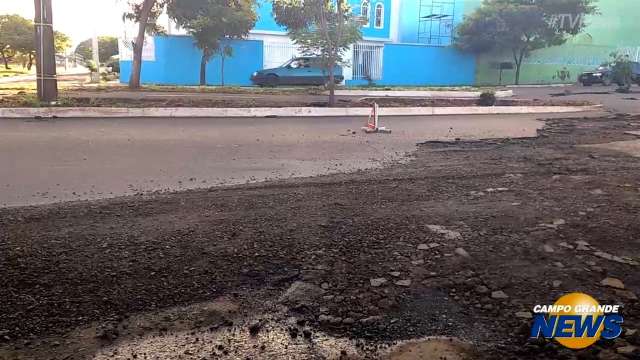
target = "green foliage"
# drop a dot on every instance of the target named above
(16, 36)
(62, 42)
(322, 28)
(135, 12)
(17, 40)
(107, 47)
(92, 66)
(487, 98)
(212, 23)
(114, 64)
(622, 71)
(522, 26)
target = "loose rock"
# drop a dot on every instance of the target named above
(500, 295)
(613, 283)
(377, 282)
(462, 252)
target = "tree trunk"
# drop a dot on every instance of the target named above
(5, 60)
(517, 74)
(203, 69)
(518, 57)
(136, 67)
(332, 84)
(30, 63)
(222, 70)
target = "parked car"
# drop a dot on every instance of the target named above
(602, 75)
(297, 71)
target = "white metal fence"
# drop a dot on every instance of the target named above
(367, 61)
(633, 52)
(277, 53)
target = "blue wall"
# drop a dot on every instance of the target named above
(178, 63)
(420, 65)
(370, 31)
(266, 21)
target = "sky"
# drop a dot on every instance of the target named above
(80, 19)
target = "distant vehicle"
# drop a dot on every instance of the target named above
(297, 71)
(602, 75)
(606, 75)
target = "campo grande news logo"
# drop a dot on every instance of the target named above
(577, 321)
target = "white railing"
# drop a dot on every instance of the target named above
(633, 52)
(367, 61)
(277, 53)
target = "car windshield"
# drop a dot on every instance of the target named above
(288, 62)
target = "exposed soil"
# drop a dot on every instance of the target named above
(268, 100)
(70, 266)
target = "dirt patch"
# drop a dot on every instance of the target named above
(461, 242)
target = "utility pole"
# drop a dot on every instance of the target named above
(45, 52)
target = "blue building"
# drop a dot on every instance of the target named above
(405, 42)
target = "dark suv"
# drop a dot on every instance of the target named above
(602, 75)
(606, 75)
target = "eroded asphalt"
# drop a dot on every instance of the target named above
(461, 241)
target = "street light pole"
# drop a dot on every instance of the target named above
(45, 52)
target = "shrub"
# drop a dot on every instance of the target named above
(487, 98)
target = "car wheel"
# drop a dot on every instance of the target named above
(606, 82)
(586, 84)
(272, 80)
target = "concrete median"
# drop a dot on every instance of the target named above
(104, 112)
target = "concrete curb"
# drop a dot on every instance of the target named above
(95, 112)
(451, 94)
(538, 85)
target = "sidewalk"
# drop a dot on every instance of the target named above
(77, 71)
(444, 94)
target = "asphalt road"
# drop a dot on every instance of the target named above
(597, 94)
(77, 159)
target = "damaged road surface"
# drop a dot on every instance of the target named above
(443, 256)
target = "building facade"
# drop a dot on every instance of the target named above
(405, 42)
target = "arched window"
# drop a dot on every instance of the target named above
(364, 13)
(379, 19)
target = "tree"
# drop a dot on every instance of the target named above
(522, 26)
(107, 47)
(322, 28)
(17, 40)
(16, 34)
(213, 23)
(145, 13)
(622, 71)
(63, 42)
